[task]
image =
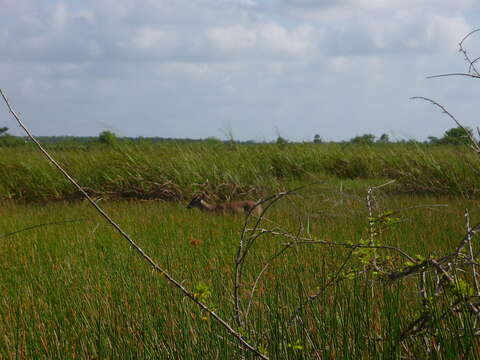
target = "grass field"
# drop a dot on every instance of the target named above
(173, 171)
(77, 290)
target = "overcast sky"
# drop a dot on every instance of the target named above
(253, 68)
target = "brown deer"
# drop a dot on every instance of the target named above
(234, 207)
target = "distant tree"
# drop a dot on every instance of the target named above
(384, 138)
(365, 139)
(456, 136)
(107, 137)
(281, 141)
(409, 142)
(7, 140)
(212, 140)
(317, 139)
(433, 140)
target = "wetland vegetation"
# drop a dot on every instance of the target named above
(77, 290)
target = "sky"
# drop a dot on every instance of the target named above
(251, 69)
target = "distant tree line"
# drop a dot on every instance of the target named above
(453, 136)
(9, 140)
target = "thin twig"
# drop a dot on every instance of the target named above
(467, 36)
(312, 298)
(311, 241)
(310, 340)
(468, 236)
(471, 65)
(452, 281)
(454, 74)
(39, 225)
(472, 257)
(423, 289)
(371, 204)
(419, 207)
(473, 143)
(257, 280)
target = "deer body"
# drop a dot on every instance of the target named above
(234, 207)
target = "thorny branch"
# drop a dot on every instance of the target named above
(472, 70)
(471, 64)
(471, 254)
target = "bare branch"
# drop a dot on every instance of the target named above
(471, 64)
(470, 250)
(473, 143)
(310, 241)
(371, 204)
(467, 36)
(453, 74)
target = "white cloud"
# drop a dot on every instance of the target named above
(233, 38)
(196, 70)
(446, 31)
(35, 42)
(148, 37)
(264, 38)
(59, 17)
(341, 64)
(15, 6)
(297, 41)
(387, 4)
(117, 9)
(88, 16)
(262, 63)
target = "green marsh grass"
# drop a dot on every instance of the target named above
(78, 291)
(173, 171)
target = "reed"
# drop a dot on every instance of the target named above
(178, 171)
(76, 291)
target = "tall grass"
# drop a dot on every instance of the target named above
(76, 291)
(174, 171)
